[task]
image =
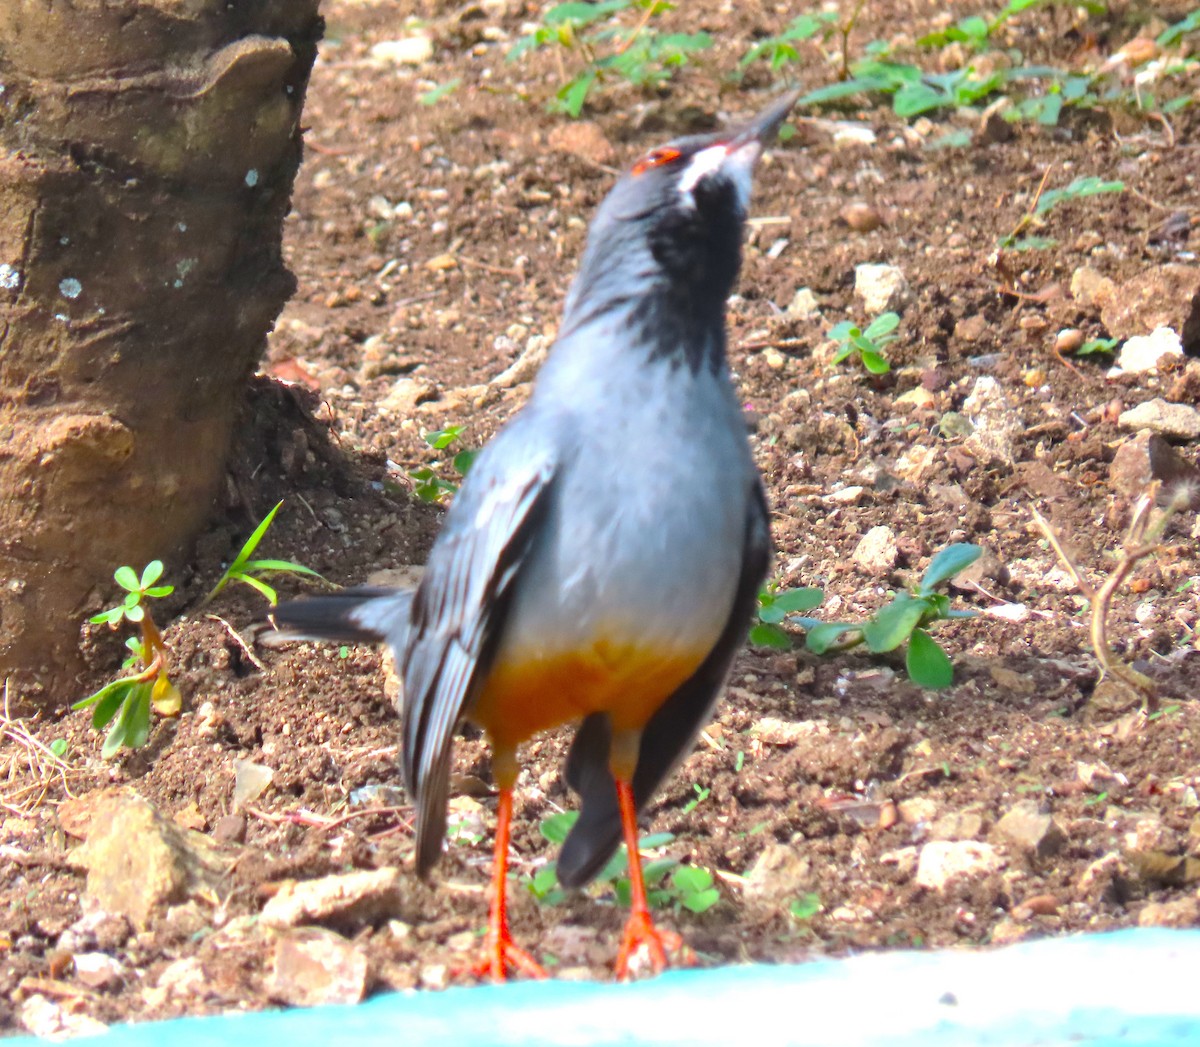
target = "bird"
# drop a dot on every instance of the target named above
(601, 561)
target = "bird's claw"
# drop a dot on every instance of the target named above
(642, 937)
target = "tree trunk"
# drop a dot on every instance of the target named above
(147, 152)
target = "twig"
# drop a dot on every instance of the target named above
(1027, 217)
(651, 8)
(498, 270)
(239, 641)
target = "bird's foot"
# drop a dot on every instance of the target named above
(642, 937)
(500, 953)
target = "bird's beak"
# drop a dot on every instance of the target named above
(762, 128)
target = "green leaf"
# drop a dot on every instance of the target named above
(842, 89)
(846, 349)
(59, 747)
(135, 614)
(892, 625)
(107, 700)
(884, 323)
(1090, 185)
(436, 94)
(260, 586)
(151, 574)
(928, 665)
(572, 95)
(947, 563)
(764, 634)
(580, 14)
(652, 840)
(701, 901)
(159, 591)
(463, 461)
(1173, 33)
(805, 907)
(138, 724)
(959, 139)
(285, 566)
(691, 878)
(556, 827)
(114, 739)
(654, 872)
(440, 439)
(914, 99)
(1097, 345)
(126, 577)
(109, 617)
(842, 331)
(874, 362)
(793, 601)
(822, 636)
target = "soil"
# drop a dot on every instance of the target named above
(838, 769)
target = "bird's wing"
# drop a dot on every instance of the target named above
(669, 734)
(457, 618)
(362, 614)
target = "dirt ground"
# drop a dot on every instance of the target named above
(433, 245)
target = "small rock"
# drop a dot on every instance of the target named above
(942, 861)
(405, 395)
(996, 423)
(847, 133)
(1032, 829)
(917, 809)
(185, 977)
(313, 966)
(1008, 932)
(803, 305)
(1068, 340)
(250, 781)
(1143, 352)
(846, 496)
(903, 858)
(1144, 458)
(55, 1020)
(876, 551)
(1161, 296)
(442, 262)
(168, 863)
(774, 359)
(1010, 681)
(582, 138)
(970, 328)
(1089, 288)
(917, 397)
(410, 50)
(1181, 912)
(779, 872)
(1108, 879)
(915, 463)
(957, 825)
(861, 217)
(230, 828)
(773, 731)
(882, 288)
(1038, 905)
(355, 898)
(1180, 421)
(98, 970)
(95, 931)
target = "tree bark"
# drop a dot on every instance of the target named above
(147, 153)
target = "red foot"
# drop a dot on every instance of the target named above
(640, 933)
(499, 954)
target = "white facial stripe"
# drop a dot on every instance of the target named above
(703, 163)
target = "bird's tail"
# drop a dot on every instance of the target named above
(363, 615)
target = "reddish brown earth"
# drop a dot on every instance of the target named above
(839, 765)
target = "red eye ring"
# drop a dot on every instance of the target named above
(656, 158)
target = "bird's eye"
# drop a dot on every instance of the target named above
(656, 158)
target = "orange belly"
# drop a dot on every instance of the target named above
(525, 695)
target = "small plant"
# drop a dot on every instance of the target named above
(781, 50)
(438, 92)
(905, 621)
(702, 794)
(687, 887)
(805, 907)
(126, 702)
(1046, 201)
(774, 605)
(428, 484)
(249, 572)
(640, 56)
(868, 344)
(1097, 345)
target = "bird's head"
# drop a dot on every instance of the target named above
(677, 214)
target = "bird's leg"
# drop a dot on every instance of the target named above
(499, 950)
(639, 929)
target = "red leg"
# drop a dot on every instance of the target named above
(639, 930)
(500, 952)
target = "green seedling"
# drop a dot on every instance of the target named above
(641, 56)
(1045, 202)
(781, 50)
(904, 621)
(436, 94)
(59, 747)
(868, 344)
(126, 702)
(667, 882)
(428, 484)
(1097, 345)
(774, 605)
(702, 794)
(249, 572)
(805, 907)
